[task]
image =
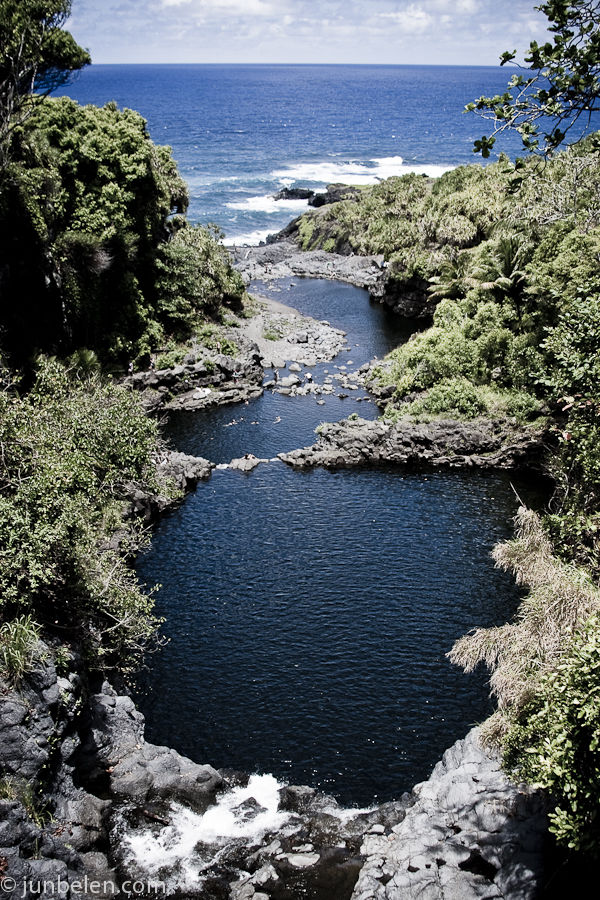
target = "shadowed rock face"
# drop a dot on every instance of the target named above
(335, 193)
(69, 755)
(481, 443)
(471, 833)
(294, 194)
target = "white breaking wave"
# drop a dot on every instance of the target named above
(355, 171)
(249, 239)
(267, 204)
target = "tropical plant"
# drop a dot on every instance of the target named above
(18, 643)
(555, 743)
(36, 56)
(561, 86)
(72, 448)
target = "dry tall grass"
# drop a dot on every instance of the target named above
(560, 600)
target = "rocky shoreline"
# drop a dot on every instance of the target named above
(283, 258)
(114, 810)
(480, 443)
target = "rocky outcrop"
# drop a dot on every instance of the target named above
(69, 756)
(179, 474)
(479, 443)
(408, 297)
(284, 259)
(245, 463)
(470, 834)
(335, 193)
(114, 755)
(283, 335)
(294, 194)
(205, 379)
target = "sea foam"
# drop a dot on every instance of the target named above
(359, 172)
(267, 204)
(178, 853)
(249, 238)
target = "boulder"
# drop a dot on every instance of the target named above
(335, 193)
(294, 194)
(470, 834)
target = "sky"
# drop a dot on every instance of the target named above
(448, 32)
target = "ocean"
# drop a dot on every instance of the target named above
(240, 133)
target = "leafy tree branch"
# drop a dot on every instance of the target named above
(560, 86)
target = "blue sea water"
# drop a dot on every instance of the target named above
(241, 133)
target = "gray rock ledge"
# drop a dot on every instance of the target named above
(481, 443)
(285, 259)
(471, 834)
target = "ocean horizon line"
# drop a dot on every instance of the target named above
(292, 65)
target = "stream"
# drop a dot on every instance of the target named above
(309, 613)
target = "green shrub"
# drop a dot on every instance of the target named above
(71, 447)
(18, 645)
(13, 788)
(211, 337)
(461, 399)
(432, 356)
(194, 280)
(556, 742)
(92, 254)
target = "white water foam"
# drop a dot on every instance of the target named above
(178, 853)
(268, 204)
(249, 239)
(355, 171)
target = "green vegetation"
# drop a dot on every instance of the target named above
(14, 788)
(18, 645)
(71, 447)
(546, 678)
(93, 255)
(561, 86)
(36, 54)
(556, 743)
(507, 257)
(464, 400)
(98, 268)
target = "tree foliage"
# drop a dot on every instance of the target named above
(561, 85)
(94, 251)
(36, 56)
(556, 742)
(69, 448)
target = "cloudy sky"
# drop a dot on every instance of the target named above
(456, 32)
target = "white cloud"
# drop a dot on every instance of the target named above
(462, 7)
(237, 7)
(412, 20)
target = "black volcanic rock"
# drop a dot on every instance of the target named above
(294, 194)
(335, 193)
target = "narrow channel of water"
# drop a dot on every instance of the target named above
(309, 613)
